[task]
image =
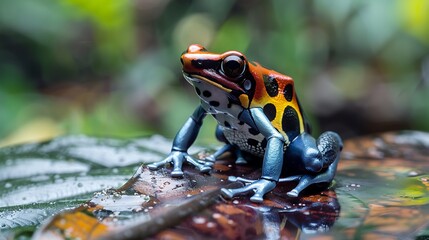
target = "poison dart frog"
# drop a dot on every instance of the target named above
(258, 114)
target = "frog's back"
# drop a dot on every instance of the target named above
(275, 94)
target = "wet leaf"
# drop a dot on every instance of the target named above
(41, 179)
(19, 218)
(381, 191)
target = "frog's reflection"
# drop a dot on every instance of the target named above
(310, 215)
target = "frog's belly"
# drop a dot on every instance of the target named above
(243, 136)
(253, 144)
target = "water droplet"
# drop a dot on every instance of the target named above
(8, 185)
(211, 224)
(146, 198)
(80, 185)
(235, 202)
(199, 220)
(413, 174)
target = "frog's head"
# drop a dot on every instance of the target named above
(228, 72)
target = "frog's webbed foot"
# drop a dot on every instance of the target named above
(176, 158)
(226, 148)
(307, 180)
(260, 187)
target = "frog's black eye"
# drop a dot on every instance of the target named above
(233, 66)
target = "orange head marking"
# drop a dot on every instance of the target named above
(228, 71)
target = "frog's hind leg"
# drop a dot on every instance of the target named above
(226, 148)
(307, 180)
(330, 145)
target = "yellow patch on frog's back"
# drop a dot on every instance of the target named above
(275, 89)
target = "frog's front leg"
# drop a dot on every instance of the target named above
(181, 143)
(273, 158)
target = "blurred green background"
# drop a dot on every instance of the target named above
(111, 68)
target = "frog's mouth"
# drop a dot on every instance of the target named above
(196, 79)
(191, 78)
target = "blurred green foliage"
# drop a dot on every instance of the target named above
(112, 67)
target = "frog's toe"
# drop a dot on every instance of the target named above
(177, 173)
(293, 193)
(205, 168)
(152, 166)
(194, 162)
(240, 161)
(210, 158)
(257, 198)
(157, 165)
(230, 193)
(232, 179)
(227, 193)
(260, 187)
(177, 170)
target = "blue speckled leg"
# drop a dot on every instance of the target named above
(329, 146)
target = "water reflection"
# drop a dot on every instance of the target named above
(310, 215)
